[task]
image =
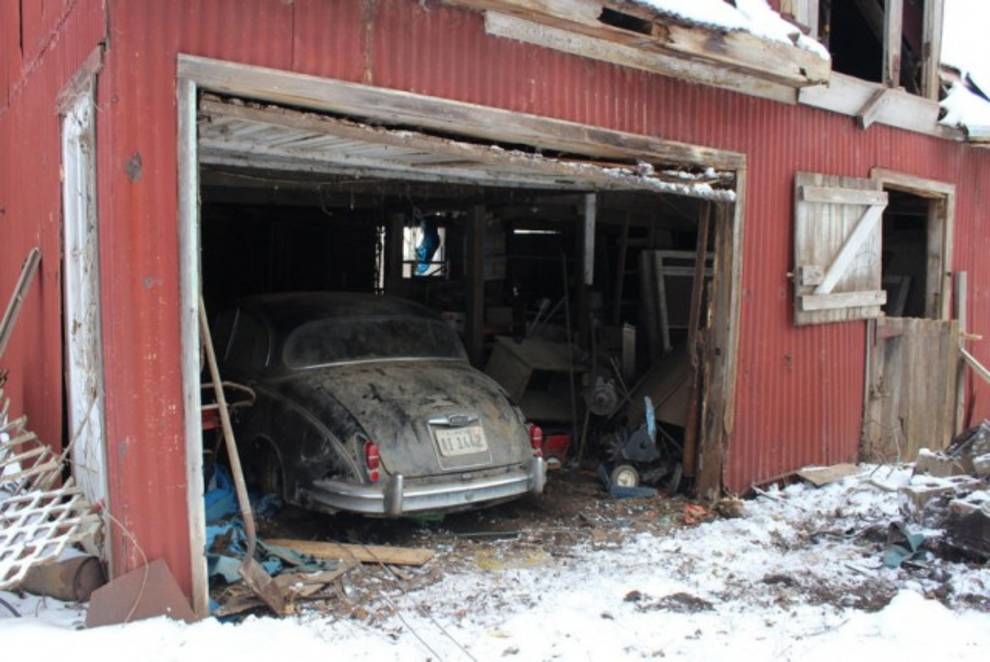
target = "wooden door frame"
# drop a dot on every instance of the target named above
(940, 229)
(389, 106)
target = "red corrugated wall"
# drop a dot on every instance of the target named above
(39, 51)
(799, 392)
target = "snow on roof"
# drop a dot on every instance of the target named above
(753, 16)
(966, 48)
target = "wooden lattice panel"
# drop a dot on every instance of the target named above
(38, 518)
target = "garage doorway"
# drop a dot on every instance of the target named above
(536, 227)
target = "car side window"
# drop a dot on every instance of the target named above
(248, 344)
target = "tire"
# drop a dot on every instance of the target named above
(624, 475)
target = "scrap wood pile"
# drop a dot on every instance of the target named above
(950, 491)
(303, 571)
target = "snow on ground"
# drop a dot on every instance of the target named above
(798, 577)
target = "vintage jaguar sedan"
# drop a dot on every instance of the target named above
(367, 404)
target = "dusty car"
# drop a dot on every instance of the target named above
(367, 404)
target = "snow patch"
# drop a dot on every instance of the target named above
(753, 16)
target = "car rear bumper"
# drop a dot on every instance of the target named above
(393, 498)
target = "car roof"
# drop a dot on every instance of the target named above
(290, 309)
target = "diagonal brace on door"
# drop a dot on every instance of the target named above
(850, 248)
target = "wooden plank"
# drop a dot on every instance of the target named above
(869, 113)
(507, 26)
(740, 50)
(850, 248)
(28, 270)
(467, 161)
(848, 95)
(474, 312)
(414, 556)
(620, 270)
(962, 317)
(931, 48)
(689, 459)
(843, 196)
(588, 247)
(843, 300)
(663, 314)
(405, 108)
(892, 36)
(920, 186)
(821, 476)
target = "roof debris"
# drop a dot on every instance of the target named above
(753, 16)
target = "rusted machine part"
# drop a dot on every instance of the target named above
(71, 580)
(251, 571)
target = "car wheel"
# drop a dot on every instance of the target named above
(624, 475)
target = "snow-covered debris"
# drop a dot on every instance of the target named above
(964, 108)
(798, 577)
(753, 16)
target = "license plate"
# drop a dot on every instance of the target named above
(461, 441)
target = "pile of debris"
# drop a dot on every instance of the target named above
(950, 491)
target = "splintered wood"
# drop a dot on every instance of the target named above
(38, 518)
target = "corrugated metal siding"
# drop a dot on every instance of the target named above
(799, 391)
(57, 38)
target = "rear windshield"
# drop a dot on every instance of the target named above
(348, 339)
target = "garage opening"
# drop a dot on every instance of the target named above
(581, 305)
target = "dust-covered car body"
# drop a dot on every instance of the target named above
(368, 404)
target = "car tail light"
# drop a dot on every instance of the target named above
(372, 459)
(536, 439)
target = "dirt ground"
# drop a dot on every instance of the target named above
(525, 533)
(576, 516)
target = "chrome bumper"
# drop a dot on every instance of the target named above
(393, 498)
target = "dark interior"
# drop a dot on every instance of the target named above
(905, 254)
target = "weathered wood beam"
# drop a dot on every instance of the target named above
(508, 26)
(892, 36)
(740, 50)
(474, 313)
(464, 153)
(931, 48)
(456, 117)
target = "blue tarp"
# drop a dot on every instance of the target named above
(226, 541)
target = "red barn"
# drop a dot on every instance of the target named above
(830, 226)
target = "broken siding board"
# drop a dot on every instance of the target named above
(820, 231)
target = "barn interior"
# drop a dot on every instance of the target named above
(905, 255)
(583, 286)
(268, 232)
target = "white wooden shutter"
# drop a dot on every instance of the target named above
(837, 248)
